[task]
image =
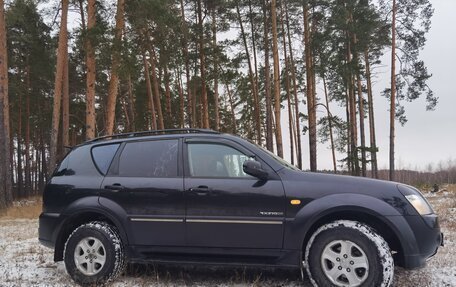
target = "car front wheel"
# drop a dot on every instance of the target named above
(348, 253)
(94, 254)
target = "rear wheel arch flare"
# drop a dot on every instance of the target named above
(94, 254)
(76, 220)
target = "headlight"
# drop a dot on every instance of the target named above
(419, 203)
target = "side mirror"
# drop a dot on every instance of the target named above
(253, 168)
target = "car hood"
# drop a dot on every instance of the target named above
(309, 186)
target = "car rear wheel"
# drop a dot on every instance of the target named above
(94, 254)
(348, 253)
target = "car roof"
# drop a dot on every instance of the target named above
(153, 134)
(178, 133)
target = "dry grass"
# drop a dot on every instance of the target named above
(29, 208)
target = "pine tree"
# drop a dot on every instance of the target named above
(267, 77)
(202, 56)
(114, 82)
(393, 92)
(310, 90)
(58, 86)
(410, 21)
(275, 53)
(91, 72)
(6, 197)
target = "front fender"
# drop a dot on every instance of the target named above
(296, 229)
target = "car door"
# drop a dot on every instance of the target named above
(225, 206)
(146, 181)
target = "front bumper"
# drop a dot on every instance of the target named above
(428, 239)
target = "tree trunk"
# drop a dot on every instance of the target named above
(91, 73)
(81, 12)
(287, 86)
(181, 100)
(251, 78)
(149, 93)
(331, 137)
(131, 104)
(267, 80)
(28, 172)
(20, 181)
(124, 103)
(295, 90)
(195, 102)
(233, 116)
(37, 169)
(6, 196)
(66, 104)
(361, 126)
(115, 65)
(190, 113)
(275, 53)
(44, 174)
(169, 114)
(349, 139)
(257, 109)
(373, 144)
(351, 61)
(290, 116)
(63, 46)
(215, 51)
(202, 56)
(393, 93)
(311, 108)
(156, 88)
(353, 127)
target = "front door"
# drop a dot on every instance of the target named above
(225, 206)
(145, 181)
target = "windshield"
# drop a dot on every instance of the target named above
(278, 158)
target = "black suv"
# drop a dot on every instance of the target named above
(198, 196)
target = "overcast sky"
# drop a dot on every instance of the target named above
(428, 136)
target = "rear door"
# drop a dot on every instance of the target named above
(146, 180)
(225, 206)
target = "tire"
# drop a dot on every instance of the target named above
(94, 254)
(348, 253)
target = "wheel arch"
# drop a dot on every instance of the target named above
(380, 226)
(372, 211)
(81, 217)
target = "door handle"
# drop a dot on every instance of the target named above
(115, 187)
(202, 189)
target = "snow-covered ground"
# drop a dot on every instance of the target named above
(24, 262)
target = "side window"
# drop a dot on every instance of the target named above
(103, 155)
(149, 159)
(62, 167)
(215, 160)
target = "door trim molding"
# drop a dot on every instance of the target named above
(156, 220)
(276, 222)
(229, 221)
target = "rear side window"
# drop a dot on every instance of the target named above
(149, 159)
(62, 167)
(103, 155)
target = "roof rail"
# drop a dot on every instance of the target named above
(154, 132)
